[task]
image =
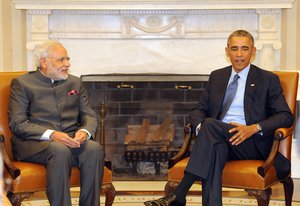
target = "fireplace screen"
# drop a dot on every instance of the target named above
(144, 119)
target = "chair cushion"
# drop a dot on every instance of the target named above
(33, 177)
(236, 174)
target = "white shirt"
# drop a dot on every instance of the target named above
(236, 112)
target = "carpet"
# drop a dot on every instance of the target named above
(137, 200)
(129, 194)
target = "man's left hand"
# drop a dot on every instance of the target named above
(81, 136)
(243, 132)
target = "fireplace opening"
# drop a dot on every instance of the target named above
(144, 119)
(147, 146)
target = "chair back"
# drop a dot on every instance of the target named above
(289, 83)
(5, 80)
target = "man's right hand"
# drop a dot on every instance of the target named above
(64, 139)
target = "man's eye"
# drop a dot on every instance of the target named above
(63, 59)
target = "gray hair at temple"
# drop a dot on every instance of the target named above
(240, 33)
(41, 51)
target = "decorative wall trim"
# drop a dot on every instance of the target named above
(160, 12)
(154, 24)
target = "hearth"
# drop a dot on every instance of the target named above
(144, 119)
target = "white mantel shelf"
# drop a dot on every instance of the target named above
(151, 5)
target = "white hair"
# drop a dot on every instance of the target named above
(42, 50)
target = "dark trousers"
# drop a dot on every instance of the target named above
(210, 152)
(59, 160)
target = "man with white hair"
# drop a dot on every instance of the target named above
(53, 124)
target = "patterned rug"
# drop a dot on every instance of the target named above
(136, 200)
(128, 195)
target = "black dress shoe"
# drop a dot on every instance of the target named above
(169, 200)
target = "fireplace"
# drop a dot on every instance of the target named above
(134, 100)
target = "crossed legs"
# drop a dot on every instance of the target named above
(210, 152)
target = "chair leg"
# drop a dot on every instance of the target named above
(17, 198)
(110, 193)
(262, 196)
(170, 187)
(288, 186)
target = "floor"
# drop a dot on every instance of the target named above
(144, 187)
(124, 188)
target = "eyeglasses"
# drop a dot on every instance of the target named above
(61, 59)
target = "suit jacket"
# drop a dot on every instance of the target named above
(36, 104)
(264, 103)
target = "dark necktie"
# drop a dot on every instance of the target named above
(229, 95)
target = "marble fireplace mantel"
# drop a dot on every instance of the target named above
(141, 36)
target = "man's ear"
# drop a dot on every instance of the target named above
(254, 51)
(43, 63)
(226, 50)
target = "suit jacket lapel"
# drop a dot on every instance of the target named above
(222, 86)
(251, 85)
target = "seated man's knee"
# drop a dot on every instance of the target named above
(95, 149)
(208, 122)
(60, 151)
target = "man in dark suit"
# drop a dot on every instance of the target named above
(240, 128)
(53, 124)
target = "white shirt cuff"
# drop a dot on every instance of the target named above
(198, 129)
(47, 134)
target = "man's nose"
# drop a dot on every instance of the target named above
(67, 63)
(239, 52)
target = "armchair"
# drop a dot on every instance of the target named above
(255, 176)
(27, 178)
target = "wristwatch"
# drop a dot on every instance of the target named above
(258, 127)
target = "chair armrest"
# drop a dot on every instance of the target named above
(184, 148)
(10, 167)
(279, 134)
(107, 164)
